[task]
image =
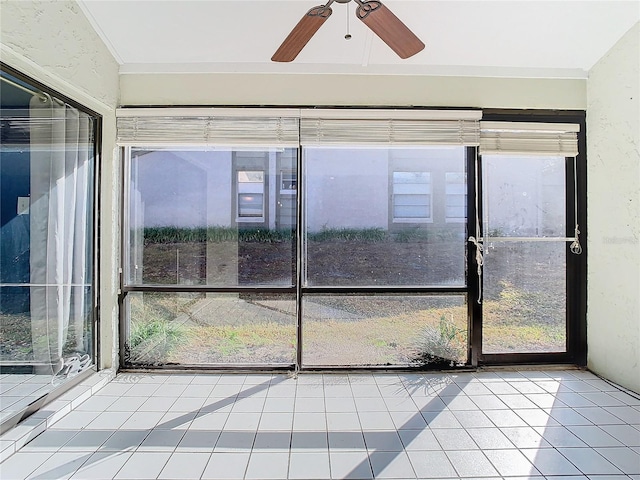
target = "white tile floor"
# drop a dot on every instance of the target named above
(17, 391)
(561, 425)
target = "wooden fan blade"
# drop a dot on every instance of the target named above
(301, 34)
(389, 28)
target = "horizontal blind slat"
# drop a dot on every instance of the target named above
(513, 138)
(219, 127)
(170, 130)
(322, 131)
(19, 129)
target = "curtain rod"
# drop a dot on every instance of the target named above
(42, 96)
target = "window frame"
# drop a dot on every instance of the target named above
(293, 181)
(428, 194)
(447, 218)
(576, 272)
(240, 218)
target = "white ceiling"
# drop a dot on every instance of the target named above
(515, 38)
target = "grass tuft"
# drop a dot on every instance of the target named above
(350, 234)
(172, 234)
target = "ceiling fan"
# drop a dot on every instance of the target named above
(373, 14)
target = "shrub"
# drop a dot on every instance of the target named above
(151, 341)
(350, 234)
(441, 347)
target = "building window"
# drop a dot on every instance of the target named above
(456, 197)
(412, 197)
(250, 196)
(289, 182)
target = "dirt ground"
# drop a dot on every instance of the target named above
(330, 263)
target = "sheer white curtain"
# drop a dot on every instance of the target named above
(61, 152)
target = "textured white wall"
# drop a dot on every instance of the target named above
(54, 43)
(57, 37)
(613, 132)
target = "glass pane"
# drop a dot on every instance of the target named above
(212, 217)
(360, 230)
(457, 201)
(251, 177)
(456, 178)
(210, 328)
(524, 196)
(360, 330)
(456, 191)
(456, 212)
(524, 306)
(289, 181)
(412, 200)
(46, 245)
(411, 211)
(411, 177)
(410, 189)
(250, 205)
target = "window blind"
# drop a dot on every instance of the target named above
(520, 138)
(389, 127)
(210, 127)
(291, 127)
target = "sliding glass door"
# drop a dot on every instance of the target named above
(525, 269)
(47, 268)
(533, 217)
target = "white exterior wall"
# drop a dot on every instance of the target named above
(346, 190)
(185, 189)
(54, 43)
(613, 209)
(219, 208)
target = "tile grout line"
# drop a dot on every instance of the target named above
(506, 381)
(89, 387)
